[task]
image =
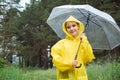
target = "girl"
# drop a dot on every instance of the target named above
(64, 51)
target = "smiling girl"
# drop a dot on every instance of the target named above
(64, 51)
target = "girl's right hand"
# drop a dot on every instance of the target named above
(82, 35)
(74, 63)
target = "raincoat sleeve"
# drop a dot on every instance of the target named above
(88, 55)
(58, 58)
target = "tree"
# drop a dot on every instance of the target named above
(34, 34)
(7, 39)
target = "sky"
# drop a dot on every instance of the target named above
(23, 2)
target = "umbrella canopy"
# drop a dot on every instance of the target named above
(100, 28)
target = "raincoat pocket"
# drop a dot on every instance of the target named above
(64, 75)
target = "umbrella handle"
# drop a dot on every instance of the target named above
(75, 59)
(78, 66)
(77, 55)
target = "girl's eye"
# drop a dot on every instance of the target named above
(73, 25)
(68, 27)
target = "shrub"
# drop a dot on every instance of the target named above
(2, 62)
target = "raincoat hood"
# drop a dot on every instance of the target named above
(80, 24)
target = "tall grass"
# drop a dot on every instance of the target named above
(105, 71)
(11, 73)
(15, 73)
(96, 71)
(38, 74)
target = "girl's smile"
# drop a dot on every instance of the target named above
(72, 28)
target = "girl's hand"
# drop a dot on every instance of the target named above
(82, 35)
(74, 63)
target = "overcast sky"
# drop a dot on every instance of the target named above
(22, 2)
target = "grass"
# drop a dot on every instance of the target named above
(10, 73)
(96, 71)
(38, 74)
(15, 73)
(105, 71)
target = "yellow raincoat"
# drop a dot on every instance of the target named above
(63, 53)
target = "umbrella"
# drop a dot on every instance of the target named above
(101, 29)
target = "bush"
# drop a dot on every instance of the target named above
(2, 62)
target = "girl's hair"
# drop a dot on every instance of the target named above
(71, 21)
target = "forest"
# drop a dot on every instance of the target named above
(27, 35)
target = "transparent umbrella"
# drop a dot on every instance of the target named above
(100, 28)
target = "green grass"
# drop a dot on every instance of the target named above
(105, 71)
(10, 73)
(15, 73)
(38, 74)
(96, 71)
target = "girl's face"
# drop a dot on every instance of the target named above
(72, 28)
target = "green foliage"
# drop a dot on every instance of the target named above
(95, 71)
(11, 73)
(7, 28)
(104, 71)
(15, 73)
(33, 31)
(2, 62)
